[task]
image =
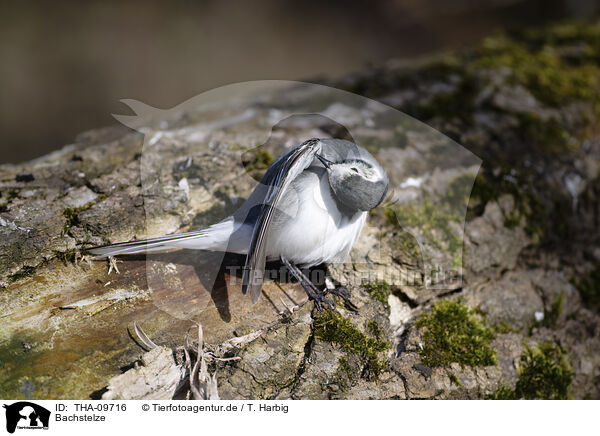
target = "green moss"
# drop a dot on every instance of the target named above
(490, 187)
(333, 327)
(345, 374)
(25, 271)
(536, 220)
(10, 194)
(589, 288)
(257, 159)
(28, 357)
(503, 392)
(556, 308)
(72, 213)
(483, 192)
(379, 290)
(374, 329)
(432, 220)
(547, 134)
(512, 219)
(567, 33)
(557, 64)
(453, 379)
(453, 333)
(67, 256)
(540, 61)
(542, 69)
(458, 104)
(264, 158)
(545, 373)
(502, 327)
(459, 191)
(72, 216)
(406, 243)
(16, 364)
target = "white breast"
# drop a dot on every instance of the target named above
(308, 228)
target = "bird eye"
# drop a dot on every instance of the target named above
(354, 169)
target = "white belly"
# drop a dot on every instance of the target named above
(312, 230)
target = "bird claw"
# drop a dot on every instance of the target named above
(81, 259)
(112, 264)
(344, 294)
(320, 297)
(311, 290)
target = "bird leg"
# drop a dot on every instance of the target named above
(341, 291)
(112, 264)
(311, 290)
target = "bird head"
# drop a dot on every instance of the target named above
(357, 180)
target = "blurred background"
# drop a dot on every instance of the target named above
(65, 65)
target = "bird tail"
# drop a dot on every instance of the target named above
(215, 237)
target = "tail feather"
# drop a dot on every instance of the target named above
(215, 237)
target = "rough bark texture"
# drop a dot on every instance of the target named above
(526, 104)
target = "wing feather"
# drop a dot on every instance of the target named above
(287, 169)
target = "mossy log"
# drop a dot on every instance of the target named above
(527, 104)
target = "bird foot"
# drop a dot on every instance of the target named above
(344, 294)
(112, 264)
(320, 297)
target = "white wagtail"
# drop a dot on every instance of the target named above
(308, 209)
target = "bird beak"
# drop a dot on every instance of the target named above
(326, 163)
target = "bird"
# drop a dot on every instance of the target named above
(308, 209)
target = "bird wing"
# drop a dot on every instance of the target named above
(277, 179)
